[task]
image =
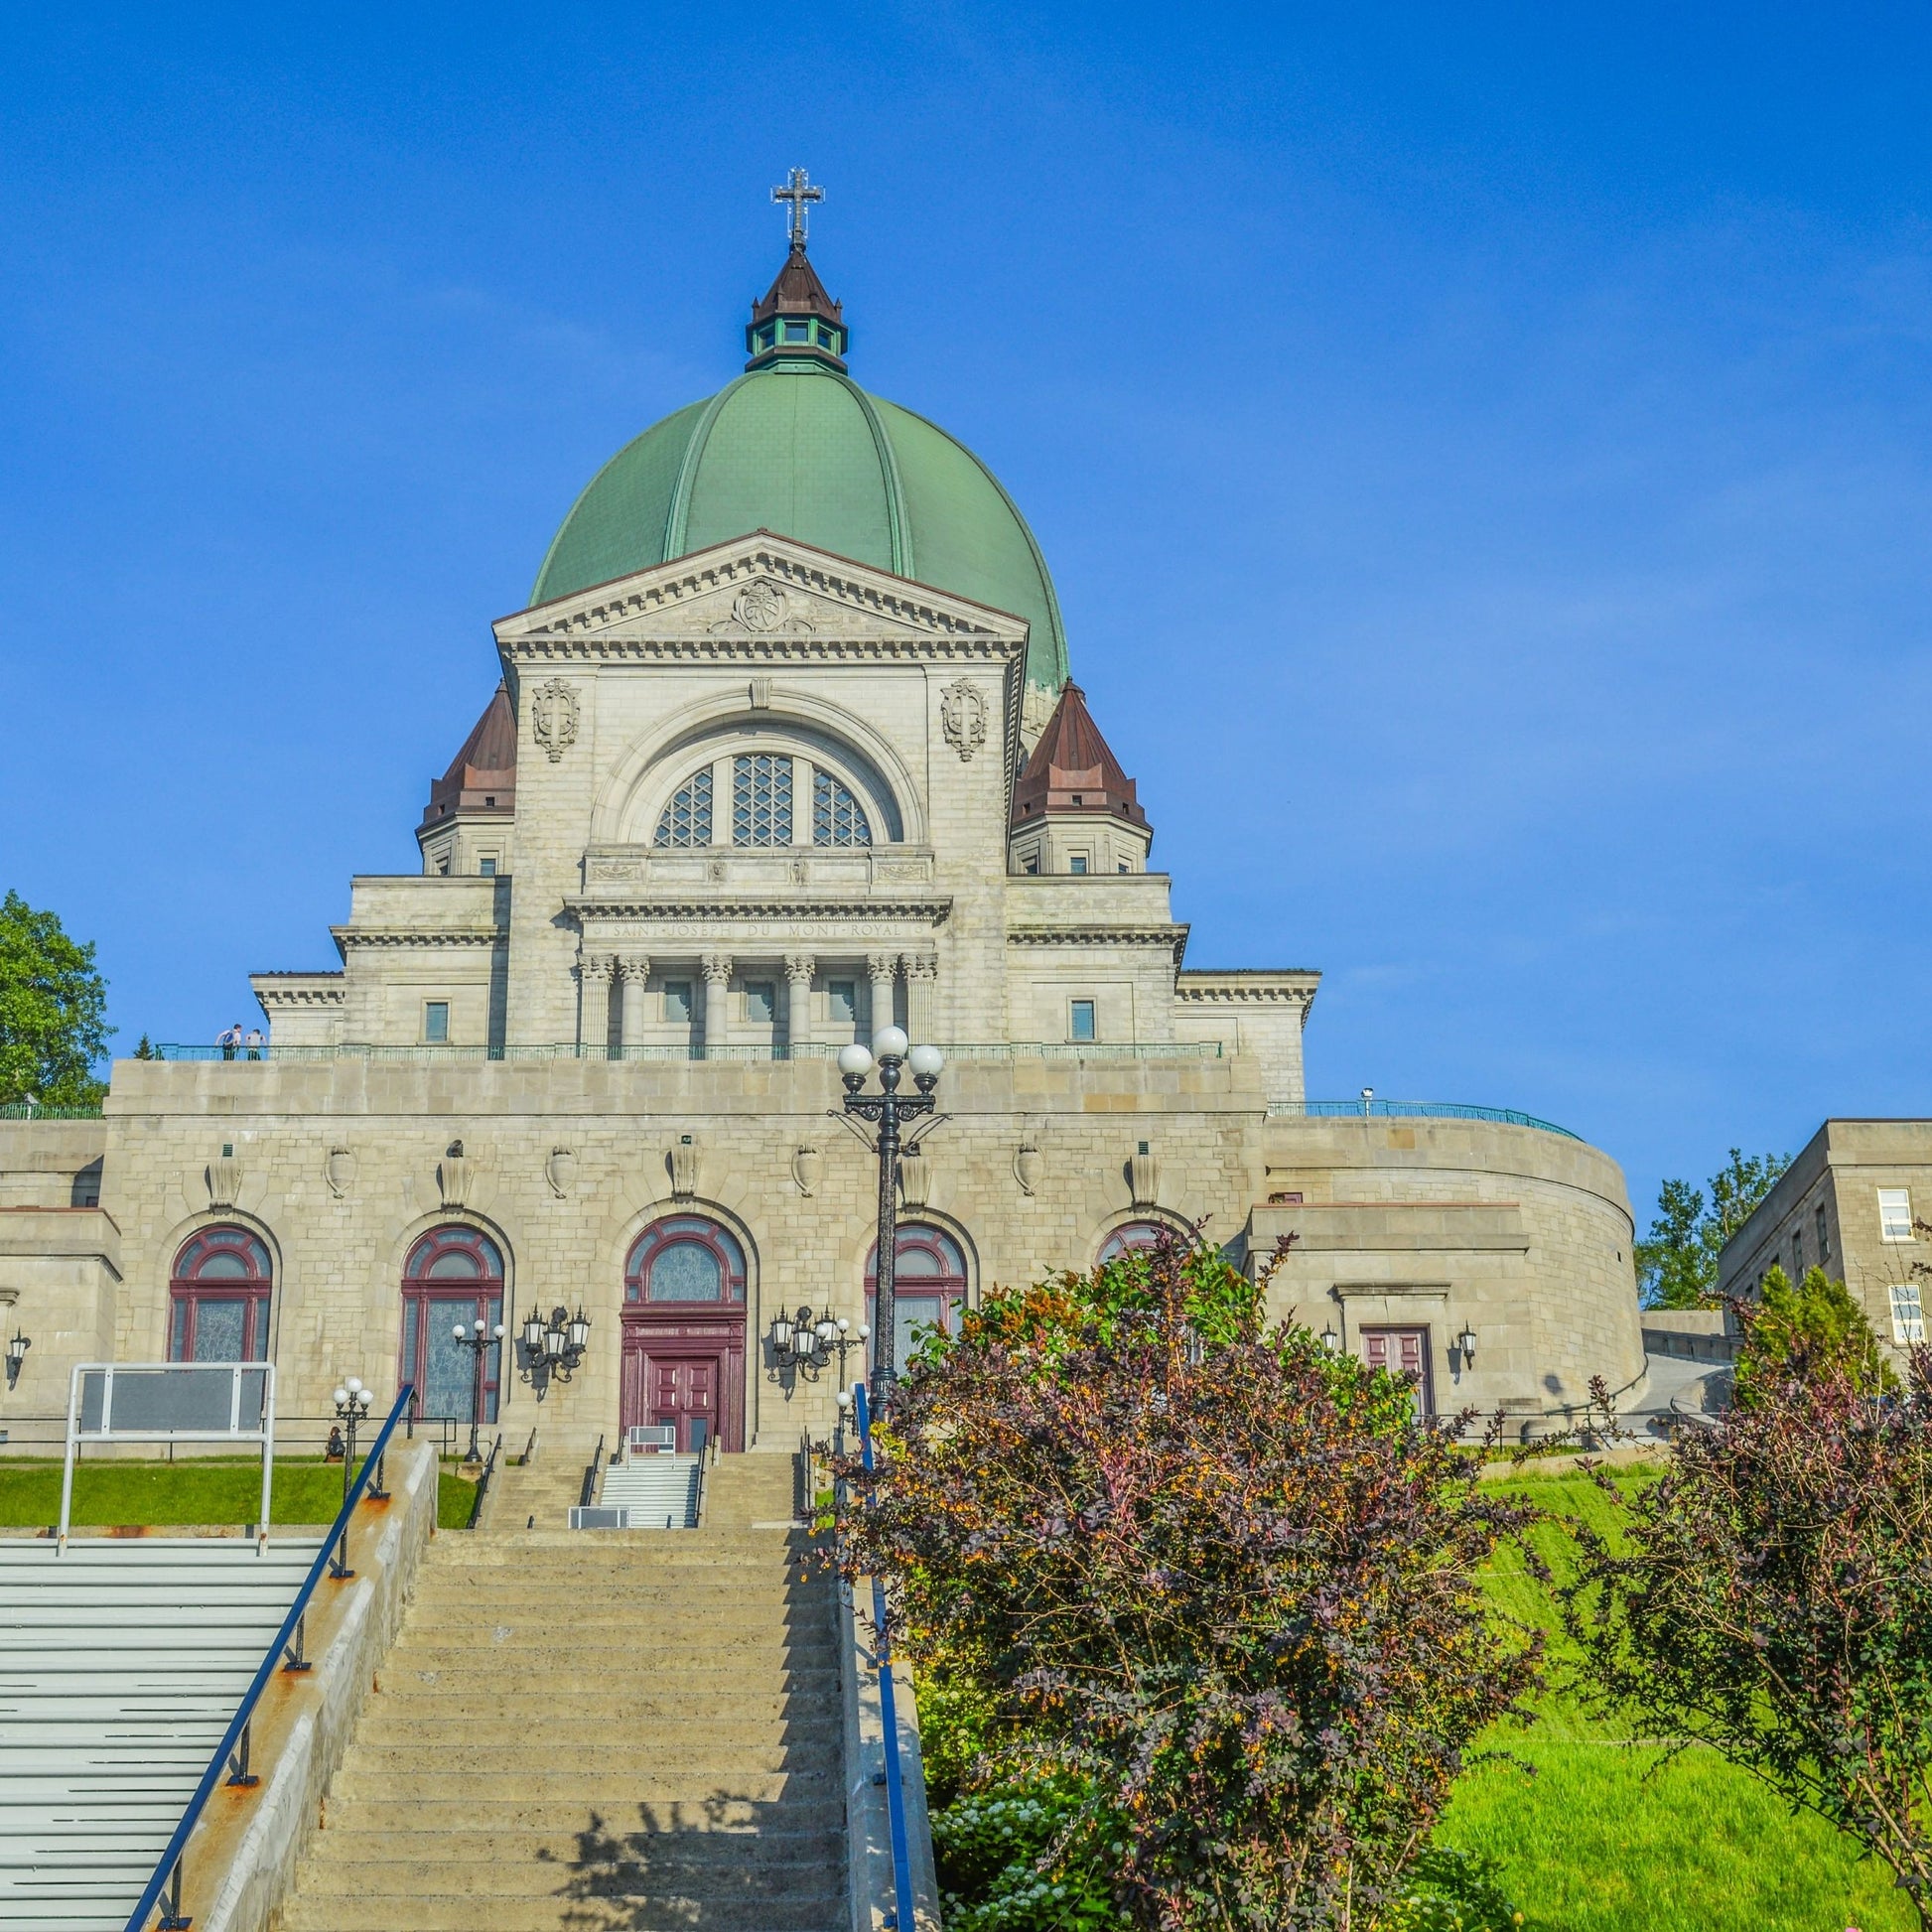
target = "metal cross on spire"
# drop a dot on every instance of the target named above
(799, 192)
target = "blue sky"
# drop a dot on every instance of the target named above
(1484, 453)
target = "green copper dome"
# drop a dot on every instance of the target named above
(794, 446)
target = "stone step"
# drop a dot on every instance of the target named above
(768, 1846)
(694, 1758)
(691, 1734)
(570, 1685)
(781, 1804)
(572, 1905)
(409, 1700)
(588, 1787)
(760, 1868)
(620, 1656)
(654, 1597)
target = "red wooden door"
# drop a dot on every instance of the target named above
(1402, 1351)
(684, 1394)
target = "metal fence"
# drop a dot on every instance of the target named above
(1411, 1110)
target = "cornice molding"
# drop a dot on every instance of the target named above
(616, 646)
(929, 911)
(348, 935)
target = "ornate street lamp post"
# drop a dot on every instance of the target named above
(477, 1340)
(888, 1108)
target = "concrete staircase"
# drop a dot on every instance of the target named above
(580, 1730)
(656, 1492)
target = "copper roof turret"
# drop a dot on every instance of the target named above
(482, 775)
(1073, 769)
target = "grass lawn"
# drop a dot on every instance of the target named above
(1603, 1838)
(213, 1491)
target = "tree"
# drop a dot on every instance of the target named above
(53, 1010)
(1773, 1599)
(1811, 1328)
(1214, 1587)
(1677, 1264)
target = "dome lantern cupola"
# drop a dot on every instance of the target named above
(796, 321)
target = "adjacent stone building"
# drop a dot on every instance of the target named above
(1855, 1203)
(785, 749)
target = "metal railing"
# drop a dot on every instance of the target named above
(744, 1053)
(888, 1708)
(35, 1110)
(163, 1888)
(483, 1481)
(1411, 1110)
(591, 1474)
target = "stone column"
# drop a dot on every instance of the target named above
(922, 970)
(798, 1000)
(883, 969)
(594, 1006)
(717, 998)
(633, 969)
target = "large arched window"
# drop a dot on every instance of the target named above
(684, 1260)
(767, 794)
(454, 1274)
(218, 1298)
(928, 1285)
(1134, 1234)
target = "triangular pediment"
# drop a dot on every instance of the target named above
(764, 592)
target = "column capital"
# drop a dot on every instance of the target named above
(920, 965)
(594, 965)
(634, 966)
(799, 967)
(882, 965)
(717, 968)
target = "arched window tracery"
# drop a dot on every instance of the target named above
(454, 1274)
(838, 818)
(686, 819)
(685, 1260)
(768, 794)
(928, 1285)
(219, 1298)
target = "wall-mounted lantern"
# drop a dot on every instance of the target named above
(16, 1354)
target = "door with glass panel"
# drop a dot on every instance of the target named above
(1402, 1351)
(452, 1275)
(684, 1308)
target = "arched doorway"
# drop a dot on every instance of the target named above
(684, 1332)
(928, 1285)
(453, 1274)
(217, 1298)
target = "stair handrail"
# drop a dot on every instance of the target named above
(591, 1476)
(901, 1844)
(482, 1481)
(707, 1459)
(286, 1644)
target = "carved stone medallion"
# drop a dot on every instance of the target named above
(553, 717)
(962, 717)
(762, 605)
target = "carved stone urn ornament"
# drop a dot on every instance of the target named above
(915, 1179)
(1143, 1175)
(452, 1177)
(339, 1169)
(807, 1169)
(962, 718)
(685, 1163)
(1028, 1166)
(560, 1171)
(553, 717)
(224, 1177)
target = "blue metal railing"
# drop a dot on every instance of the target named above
(232, 1751)
(888, 1708)
(1410, 1110)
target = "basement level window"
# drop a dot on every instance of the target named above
(436, 1020)
(1081, 1020)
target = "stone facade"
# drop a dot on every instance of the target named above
(729, 812)
(1851, 1204)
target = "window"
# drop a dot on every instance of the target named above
(760, 800)
(441, 865)
(826, 339)
(436, 1020)
(1797, 1254)
(686, 1258)
(799, 331)
(1131, 1235)
(928, 1285)
(1122, 866)
(767, 335)
(842, 1002)
(686, 819)
(485, 867)
(452, 1275)
(1030, 863)
(1082, 1019)
(218, 1296)
(761, 1001)
(1908, 1315)
(837, 817)
(1894, 1215)
(678, 1001)
(1824, 1228)
(1077, 865)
